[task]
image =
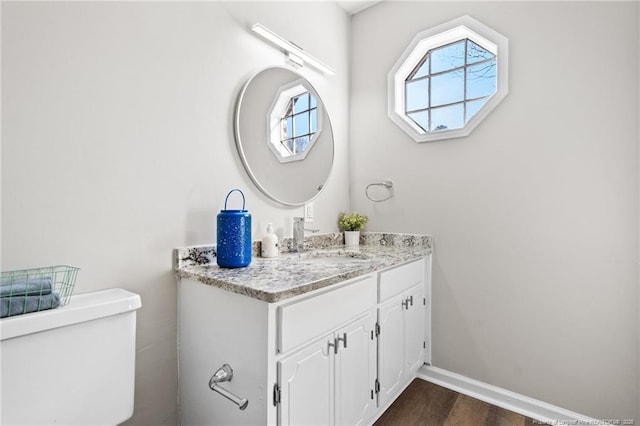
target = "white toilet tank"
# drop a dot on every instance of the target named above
(73, 365)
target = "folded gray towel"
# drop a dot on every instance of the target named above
(23, 286)
(10, 306)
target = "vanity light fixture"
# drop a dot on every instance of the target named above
(294, 53)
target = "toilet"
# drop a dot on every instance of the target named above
(74, 365)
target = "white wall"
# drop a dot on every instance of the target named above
(117, 145)
(535, 215)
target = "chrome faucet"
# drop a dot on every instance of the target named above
(298, 233)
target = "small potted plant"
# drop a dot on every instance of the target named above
(352, 224)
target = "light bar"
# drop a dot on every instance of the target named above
(291, 48)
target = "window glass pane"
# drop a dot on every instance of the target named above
(313, 102)
(447, 118)
(287, 128)
(287, 111)
(423, 70)
(447, 88)
(481, 79)
(473, 107)
(475, 53)
(301, 103)
(301, 144)
(417, 94)
(421, 119)
(447, 57)
(288, 144)
(314, 121)
(301, 124)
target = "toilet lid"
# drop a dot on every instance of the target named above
(81, 308)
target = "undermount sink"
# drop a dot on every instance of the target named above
(332, 259)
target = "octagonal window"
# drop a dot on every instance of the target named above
(295, 122)
(448, 80)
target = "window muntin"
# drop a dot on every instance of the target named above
(448, 80)
(450, 85)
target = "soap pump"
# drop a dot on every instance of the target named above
(269, 243)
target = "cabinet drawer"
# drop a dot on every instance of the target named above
(395, 281)
(306, 319)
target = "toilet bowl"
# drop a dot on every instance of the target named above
(73, 365)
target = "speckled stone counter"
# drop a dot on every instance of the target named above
(325, 261)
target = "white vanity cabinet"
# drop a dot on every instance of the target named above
(356, 373)
(332, 380)
(306, 387)
(315, 358)
(401, 318)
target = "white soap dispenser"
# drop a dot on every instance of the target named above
(270, 243)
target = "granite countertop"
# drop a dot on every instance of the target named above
(325, 261)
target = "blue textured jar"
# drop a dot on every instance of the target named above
(234, 236)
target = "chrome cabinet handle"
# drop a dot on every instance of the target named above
(334, 344)
(343, 339)
(407, 302)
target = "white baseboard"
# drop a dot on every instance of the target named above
(533, 408)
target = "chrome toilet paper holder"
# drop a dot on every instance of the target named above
(225, 374)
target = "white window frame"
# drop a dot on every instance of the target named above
(449, 32)
(283, 97)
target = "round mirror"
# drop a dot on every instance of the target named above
(284, 136)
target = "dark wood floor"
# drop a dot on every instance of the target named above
(426, 404)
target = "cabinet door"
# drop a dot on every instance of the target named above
(390, 349)
(307, 385)
(355, 372)
(414, 329)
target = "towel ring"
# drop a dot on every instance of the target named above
(387, 184)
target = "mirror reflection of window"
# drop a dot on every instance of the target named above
(299, 123)
(450, 85)
(295, 122)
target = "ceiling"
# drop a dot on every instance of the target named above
(355, 6)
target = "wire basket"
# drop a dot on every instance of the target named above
(36, 289)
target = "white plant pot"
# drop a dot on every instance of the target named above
(352, 238)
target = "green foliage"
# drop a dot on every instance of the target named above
(352, 221)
